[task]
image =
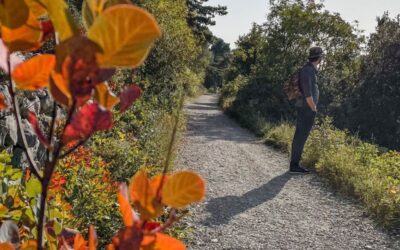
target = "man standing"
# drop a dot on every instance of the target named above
(306, 107)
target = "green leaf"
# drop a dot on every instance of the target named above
(29, 214)
(17, 175)
(57, 227)
(16, 215)
(33, 187)
(55, 213)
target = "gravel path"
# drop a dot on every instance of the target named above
(253, 203)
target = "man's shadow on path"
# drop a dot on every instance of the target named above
(223, 209)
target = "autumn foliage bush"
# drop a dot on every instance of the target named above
(85, 183)
(117, 35)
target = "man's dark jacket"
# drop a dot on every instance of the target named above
(308, 85)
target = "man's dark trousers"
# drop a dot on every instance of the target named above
(305, 122)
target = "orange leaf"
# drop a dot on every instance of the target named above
(24, 38)
(105, 97)
(13, 13)
(34, 73)
(29, 245)
(126, 209)
(161, 242)
(3, 104)
(110, 247)
(92, 238)
(183, 188)
(144, 196)
(123, 45)
(6, 246)
(79, 242)
(156, 182)
(59, 89)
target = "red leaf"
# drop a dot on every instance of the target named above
(129, 96)
(38, 131)
(151, 226)
(89, 119)
(76, 60)
(3, 104)
(57, 182)
(47, 29)
(127, 239)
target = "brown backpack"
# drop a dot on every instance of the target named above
(292, 87)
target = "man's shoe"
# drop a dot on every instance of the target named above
(298, 169)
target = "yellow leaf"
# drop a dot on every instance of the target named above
(144, 197)
(34, 73)
(24, 38)
(126, 34)
(3, 209)
(161, 242)
(182, 189)
(13, 13)
(105, 97)
(36, 7)
(62, 20)
(90, 10)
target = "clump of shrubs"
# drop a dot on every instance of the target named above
(351, 165)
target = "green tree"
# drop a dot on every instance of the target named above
(215, 73)
(282, 45)
(373, 109)
(201, 16)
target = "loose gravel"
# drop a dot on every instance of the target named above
(253, 203)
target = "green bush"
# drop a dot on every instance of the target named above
(352, 166)
(280, 136)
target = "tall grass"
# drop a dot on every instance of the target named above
(350, 165)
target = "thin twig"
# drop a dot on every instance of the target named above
(17, 114)
(171, 220)
(48, 173)
(51, 132)
(171, 144)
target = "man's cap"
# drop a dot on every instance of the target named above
(315, 52)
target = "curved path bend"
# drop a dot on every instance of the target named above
(253, 203)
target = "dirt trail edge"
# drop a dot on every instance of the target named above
(253, 203)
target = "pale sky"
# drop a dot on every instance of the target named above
(242, 13)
